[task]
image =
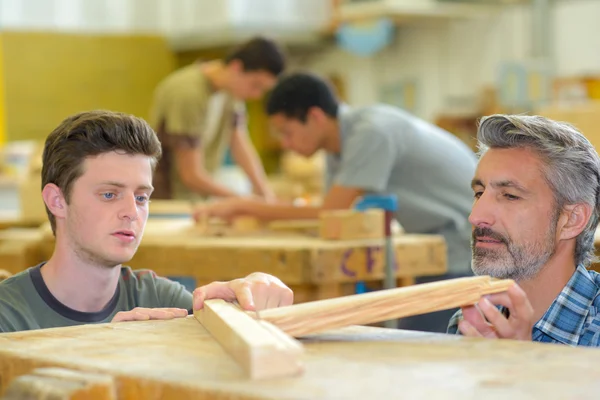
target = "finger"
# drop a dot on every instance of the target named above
(177, 312)
(522, 308)
(467, 329)
(502, 327)
(261, 295)
(286, 298)
(214, 290)
(138, 316)
(158, 313)
(502, 299)
(474, 317)
(272, 301)
(120, 317)
(243, 294)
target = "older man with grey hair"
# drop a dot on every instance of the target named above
(535, 213)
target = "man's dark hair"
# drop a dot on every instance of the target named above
(296, 93)
(259, 54)
(89, 134)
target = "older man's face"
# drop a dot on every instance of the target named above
(514, 215)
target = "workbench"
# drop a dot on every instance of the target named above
(178, 359)
(314, 268)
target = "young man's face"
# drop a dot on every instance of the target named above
(514, 215)
(302, 138)
(250, 85)
(108, 207)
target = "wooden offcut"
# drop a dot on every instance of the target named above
(260, 349)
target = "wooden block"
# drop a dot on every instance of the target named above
(246, 224)
(61, 384)
(351, 224)
(361, 309)
(262, 350)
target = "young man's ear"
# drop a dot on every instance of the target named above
(55, 201)
(574, 219)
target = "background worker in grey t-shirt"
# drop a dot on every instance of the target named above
(375, 149)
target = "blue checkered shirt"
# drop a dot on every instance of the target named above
(572, 318)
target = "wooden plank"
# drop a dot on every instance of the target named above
(323, 315)
(179, 359)
(61, 384)
(263, 351)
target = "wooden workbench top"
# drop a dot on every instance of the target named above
(178, 359)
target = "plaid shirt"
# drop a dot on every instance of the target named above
(572, 319)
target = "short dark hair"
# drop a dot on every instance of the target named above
(89, 134)
(296, 93)
(259, 54)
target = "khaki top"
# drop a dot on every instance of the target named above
(187, 112)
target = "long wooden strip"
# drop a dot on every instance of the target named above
(318, 316)
(259, 348)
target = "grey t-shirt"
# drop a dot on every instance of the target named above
(26, 303)
(386, 150)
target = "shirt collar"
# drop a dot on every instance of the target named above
(565, 319)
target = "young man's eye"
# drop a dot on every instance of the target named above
(108, 195)
(142, 199)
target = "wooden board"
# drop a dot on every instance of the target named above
(178, 359)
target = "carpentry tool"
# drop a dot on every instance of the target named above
(265, 348)
(389, 204)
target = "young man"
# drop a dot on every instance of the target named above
(375, 149)
(97, 181)
(198, 112)
(534, 218)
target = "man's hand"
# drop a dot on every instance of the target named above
(145, 314)
(257, 291)
(266, 194)
(518, 326)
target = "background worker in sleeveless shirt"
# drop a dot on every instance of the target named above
(198, 113)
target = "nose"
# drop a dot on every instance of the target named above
(129, 208)
(483, 212)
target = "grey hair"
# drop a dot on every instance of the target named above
(572, 165)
